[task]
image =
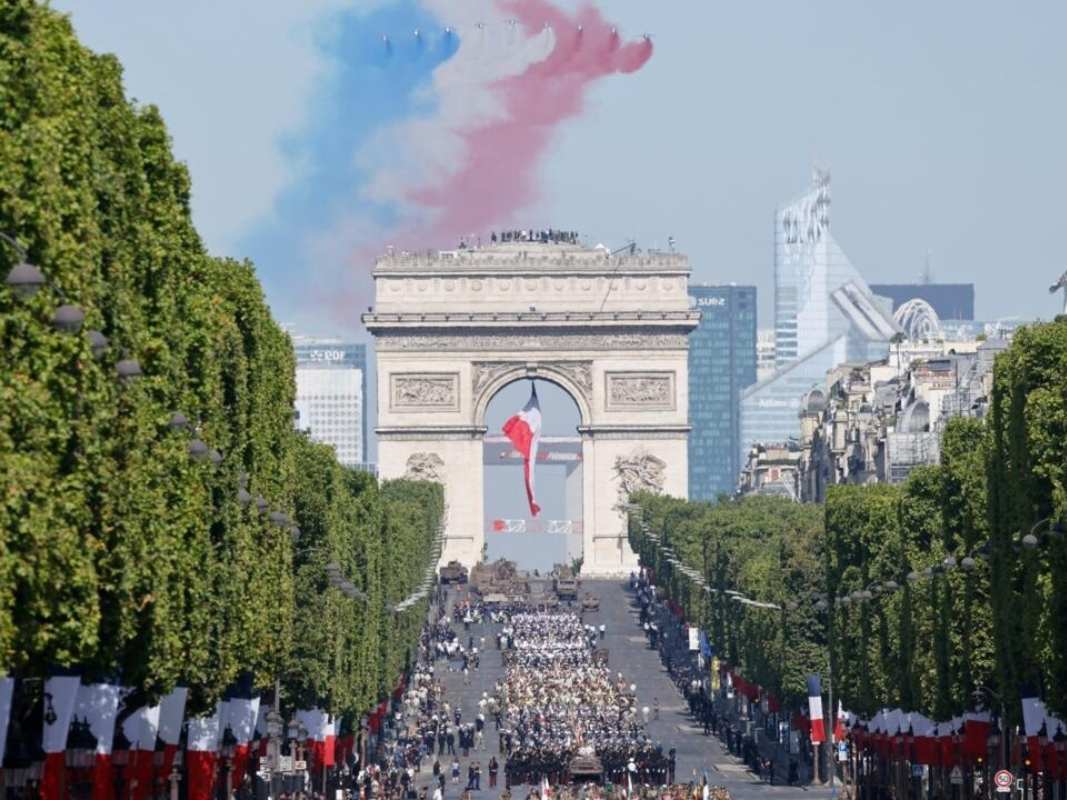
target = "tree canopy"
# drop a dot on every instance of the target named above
(119, 554)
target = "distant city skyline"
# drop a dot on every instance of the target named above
(936, 121)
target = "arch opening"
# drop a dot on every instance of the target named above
(511, 531)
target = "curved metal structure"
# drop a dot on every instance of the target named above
(918, 320)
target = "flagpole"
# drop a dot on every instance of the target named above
(833, 723)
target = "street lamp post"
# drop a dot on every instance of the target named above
(982, 692)
(175, 778)
(275, 728)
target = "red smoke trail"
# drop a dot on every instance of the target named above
(498, 176)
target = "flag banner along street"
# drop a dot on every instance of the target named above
(98, 704)
(818, 729)
(61, 694)
(202, 754)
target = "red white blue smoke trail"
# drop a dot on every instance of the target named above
(433, 123)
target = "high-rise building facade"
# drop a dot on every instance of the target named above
(825, 315)
(722, 363)
(331, 392)
(953, 301)
(765, 353)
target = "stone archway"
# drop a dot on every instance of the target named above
(555, 535)
(452, 328)
(574, 377)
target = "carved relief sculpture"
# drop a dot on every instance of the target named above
(640, 471)
(641, 390)
(424, 467)
(579, 372)
(485, 372)
(424, 390)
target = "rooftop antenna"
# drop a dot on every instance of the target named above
(928, 272)
(632, 247)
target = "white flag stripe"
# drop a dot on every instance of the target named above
(7, 689)
(61, 693)
(171, 713)
(99, 704)
(142, 727)
(204, 732)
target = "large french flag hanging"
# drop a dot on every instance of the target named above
(524, 431)
(818, 728)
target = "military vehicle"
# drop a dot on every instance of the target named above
(539, 593)
(586, 767)
(499, 577)
(590, 602)
(453, 572)
(565, 583)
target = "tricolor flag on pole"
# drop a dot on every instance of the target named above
(239, 716)
(524, 431)
(171, 715)
(201, 754)
(98, 704)
(142, 729)
(839, 723)
(818, 729)
(60, 695)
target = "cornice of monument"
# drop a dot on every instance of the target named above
(634, 431)
(431, 433)
(531, 259)
(506, 322)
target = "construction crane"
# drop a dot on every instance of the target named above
(1061, 283)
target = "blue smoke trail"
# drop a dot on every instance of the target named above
(378, 73)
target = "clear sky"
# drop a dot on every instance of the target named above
(943, 124)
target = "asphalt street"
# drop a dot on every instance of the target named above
(629, 654)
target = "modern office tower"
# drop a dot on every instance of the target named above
(825, 315)
(331, 391)
(722, 363)
(951, 301)
(765, 353)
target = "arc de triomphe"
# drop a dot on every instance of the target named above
(452, 328)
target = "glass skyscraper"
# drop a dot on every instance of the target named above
(331, 391)
(722, 362)
(824, 315)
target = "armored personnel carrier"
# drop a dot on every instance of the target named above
(453, 572)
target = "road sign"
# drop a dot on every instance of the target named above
(842, 751)
(285, 763)
(1003, 780)
(957, 776)
(300, 766)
